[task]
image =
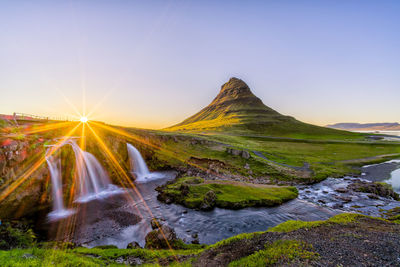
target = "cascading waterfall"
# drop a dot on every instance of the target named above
(91, 175)
(139, 167)
(93, 181)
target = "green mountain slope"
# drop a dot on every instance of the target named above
(237, 110)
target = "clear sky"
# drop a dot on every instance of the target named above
(153, 63)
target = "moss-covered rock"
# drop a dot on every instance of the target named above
(194, 192)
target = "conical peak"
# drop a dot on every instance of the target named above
(235, 85)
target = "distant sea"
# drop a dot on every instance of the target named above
(397, 133)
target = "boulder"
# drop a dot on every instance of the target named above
(161, 238)
(133, 245)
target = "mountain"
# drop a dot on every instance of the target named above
(237, 110)
(386, 126)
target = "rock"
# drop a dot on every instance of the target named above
(132, 260)
(337, 206)
(28, 256)
(373, 196)
(342, 190)
(247, 166)
(344, 199)
(208, 201)
(155, 223)
(184, 188)
(374, 188)
(195, 235)
(235, 152)
(325, 192)
(133, 245)
(321, 201)
(160, 238)
(195, 241)
(245, 154)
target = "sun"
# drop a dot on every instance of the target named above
(84, 119)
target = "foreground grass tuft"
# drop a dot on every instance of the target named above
(281, 251)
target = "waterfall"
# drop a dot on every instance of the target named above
(91, 175)
(59, 210)
(56, 190)
(139, 167)
(92, 180)
(137, 163)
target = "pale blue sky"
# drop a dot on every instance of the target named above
(319, 61)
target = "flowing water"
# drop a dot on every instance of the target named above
(123, 218)
(107, 225)
(91, 177)
(139, 167)
(59, 210)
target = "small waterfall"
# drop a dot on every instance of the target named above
(55, 174)
(59, 210)
(139, 167)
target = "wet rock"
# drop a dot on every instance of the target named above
(342, 190)
(325, 192)
(155, 223)
(322, 201)
(195, 241)
(247, 166)
(343, 198)
(337, 206)
(373, 196)
(195, 235)
(133, 245)
(161, 238)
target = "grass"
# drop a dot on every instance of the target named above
(192, 193)
(292, 225)
(279, 252)
(86, 257)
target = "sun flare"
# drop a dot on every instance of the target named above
(83, 119)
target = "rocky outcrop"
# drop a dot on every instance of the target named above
(375, 189)
(235, 152)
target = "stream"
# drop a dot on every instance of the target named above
(124, 218)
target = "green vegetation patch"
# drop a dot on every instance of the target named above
(279, 252)
(292, 225)
(194, 192)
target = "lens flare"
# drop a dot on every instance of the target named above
(84, 119)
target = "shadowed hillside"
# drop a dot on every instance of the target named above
(237, 110)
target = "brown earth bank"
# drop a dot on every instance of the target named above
(366, 241)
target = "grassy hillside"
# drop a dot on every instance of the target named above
(236, 110)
